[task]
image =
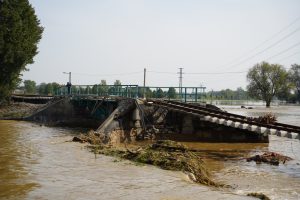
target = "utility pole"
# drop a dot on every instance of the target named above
(70, 74)
(144, 88)
(180, 81)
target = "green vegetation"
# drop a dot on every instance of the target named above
(29, 86)
(172, 93)
(20, 33)
(47, 88)
(266, 81)
(294, 77)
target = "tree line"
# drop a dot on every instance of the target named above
(266, 82)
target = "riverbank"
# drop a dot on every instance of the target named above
(15, 110)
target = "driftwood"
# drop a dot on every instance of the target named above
(268, 118)
(270, 158)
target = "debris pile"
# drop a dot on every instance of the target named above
(165, 154)
(259, 196)
(268, 118)
(270, 158)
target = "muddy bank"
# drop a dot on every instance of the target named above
(18, 110)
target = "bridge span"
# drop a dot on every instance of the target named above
(239, 122)
(139, 118)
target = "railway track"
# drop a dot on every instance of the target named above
(232, 120)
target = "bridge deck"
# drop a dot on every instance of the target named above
(232, 120)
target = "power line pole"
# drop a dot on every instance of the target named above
(180, 81)
(144, 88)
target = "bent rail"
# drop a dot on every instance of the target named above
(234, 120)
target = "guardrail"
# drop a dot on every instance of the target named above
(186, 94)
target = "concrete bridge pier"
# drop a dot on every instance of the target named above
(136, 118)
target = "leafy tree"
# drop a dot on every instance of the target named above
(266, 81)
(103, 88)
(148, 92)
(30, 86)
(294, 76)
(49, 89)
(75, 90)
(55, 87)
(117, 82)
(94, 89)
(159, 93)
(20, 32)
(172, 93)
(240, 94)
(87, 90)
(116, 89)
(42, 88)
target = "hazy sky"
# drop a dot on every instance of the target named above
(117, 39)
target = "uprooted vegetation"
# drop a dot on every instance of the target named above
(166, 154)
(271, 158)
(268, 118)
(259, 196)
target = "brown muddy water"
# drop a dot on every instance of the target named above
(36, 162)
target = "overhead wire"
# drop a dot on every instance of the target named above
(265, 49)
(286, 50)
(291, 55)
(267, 40)
(118, 74)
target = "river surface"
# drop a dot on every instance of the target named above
(38, 162)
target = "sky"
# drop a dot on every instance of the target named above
(214, 41)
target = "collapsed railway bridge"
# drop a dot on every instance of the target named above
(127, 118)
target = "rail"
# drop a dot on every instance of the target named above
(200, 110)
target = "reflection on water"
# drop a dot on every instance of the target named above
(38, 163)
(15, 159)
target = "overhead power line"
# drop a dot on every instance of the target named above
(286, 50)
(267, 40)
(158, 72)
(120, 74)
(199, 73)
(265, 49)
(289, 56)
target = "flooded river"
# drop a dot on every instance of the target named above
(36, 162)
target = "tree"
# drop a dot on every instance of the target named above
(117, 82)
(159, 93)
(55, 87)
(20, 32)
(103, 88)
(30, 86)
(95, 89)
(42, 88)
(116, 89)
(172, 93)
(49, 89)
(294, 77)
(266, 81)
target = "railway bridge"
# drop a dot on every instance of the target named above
(119, 110)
